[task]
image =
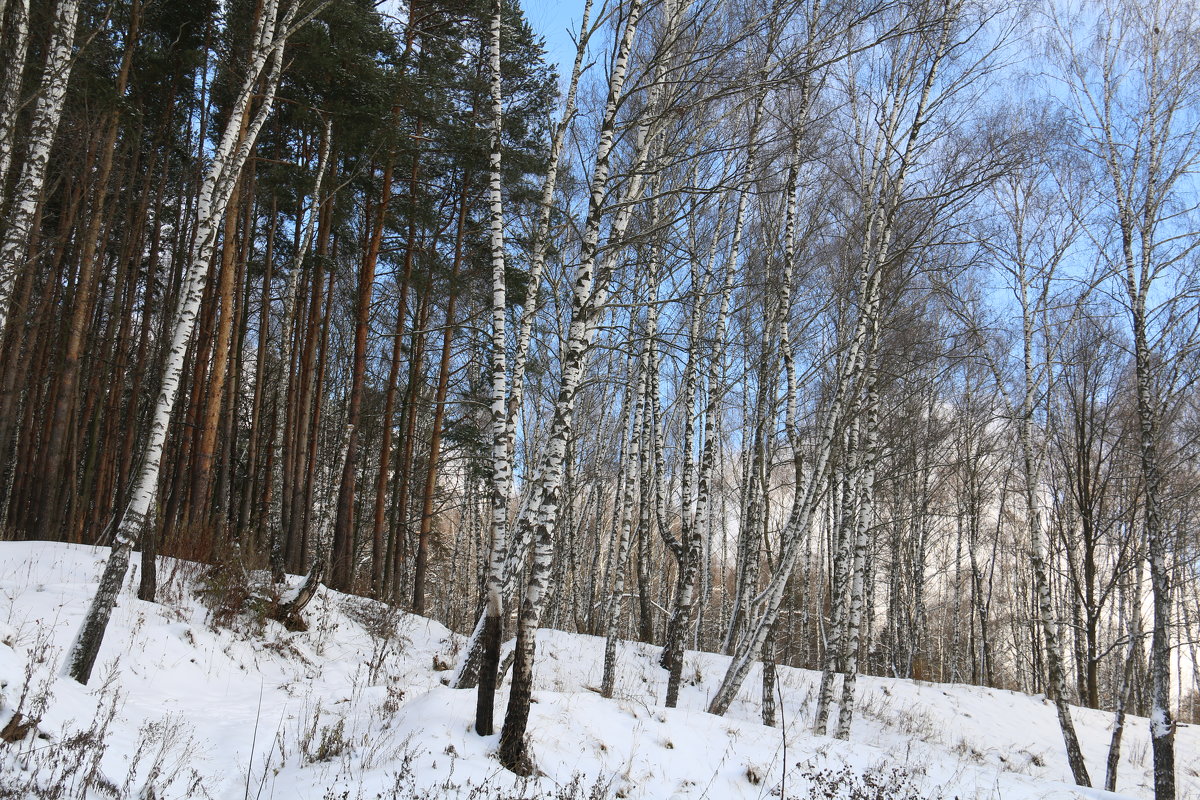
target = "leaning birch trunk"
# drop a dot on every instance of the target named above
(541, 237)
(804, 508)
(847, 507)
(865, 483)
(501, 483)
(880, 229)
(1041, 577)
(46, 115)
(1114, 747)
(467, 672)
(629, 462)
(219, 180)
(10, 92)
(780, 330)
(539, 517)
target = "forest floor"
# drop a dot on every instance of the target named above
(191, 702)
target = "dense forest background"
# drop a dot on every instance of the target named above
(854, 336)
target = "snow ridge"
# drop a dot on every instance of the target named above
(357, 706)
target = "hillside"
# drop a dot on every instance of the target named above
(355, 707)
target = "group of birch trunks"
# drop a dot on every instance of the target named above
(854, 336)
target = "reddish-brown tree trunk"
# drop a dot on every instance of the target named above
(342, 574)
(421, 562)
(210, 415)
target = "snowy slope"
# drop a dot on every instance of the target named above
(250, 710)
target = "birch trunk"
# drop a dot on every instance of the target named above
(588, 295)
(883, 189)
(501, 466)
(1162, 725)
(808, 496)
(843, 496)
(1140, 131)
(46, 115)
(650, 451)
(1041, 578)
(1114, 747)
(220, 178)
(688, 550)
(467, 672)
(865, 484)
(17, 32)
(747, 573)
(768, 681)
(541, 237)
(629, 462)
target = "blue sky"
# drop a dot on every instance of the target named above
(552, 19)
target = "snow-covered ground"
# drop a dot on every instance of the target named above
(356, 707)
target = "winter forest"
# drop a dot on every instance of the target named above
(859, 337)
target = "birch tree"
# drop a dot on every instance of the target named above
(503, 552)
(630, 456)
(46, 115)
(1132, 78)
(589, 295)
(697, 512)
(17, 34)
(236, 142)
(1032, 286)
(501, 466)
(914, 89)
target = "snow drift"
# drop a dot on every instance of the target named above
(187, 703)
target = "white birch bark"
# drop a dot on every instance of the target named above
(501, 466)
(589, 295)
(921, 69)
(629, 462)
(501, 462)
(865, 484)
(804, 508)
(1138, 126)
(1132, 613)
(541, 235)
(689, 549)
(748, 565)
(1164, 148)
(747, 568)
(844, 497)
(466, 671)
(46, 115)
(17, 33)
(1041, 577)
(266, 63)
